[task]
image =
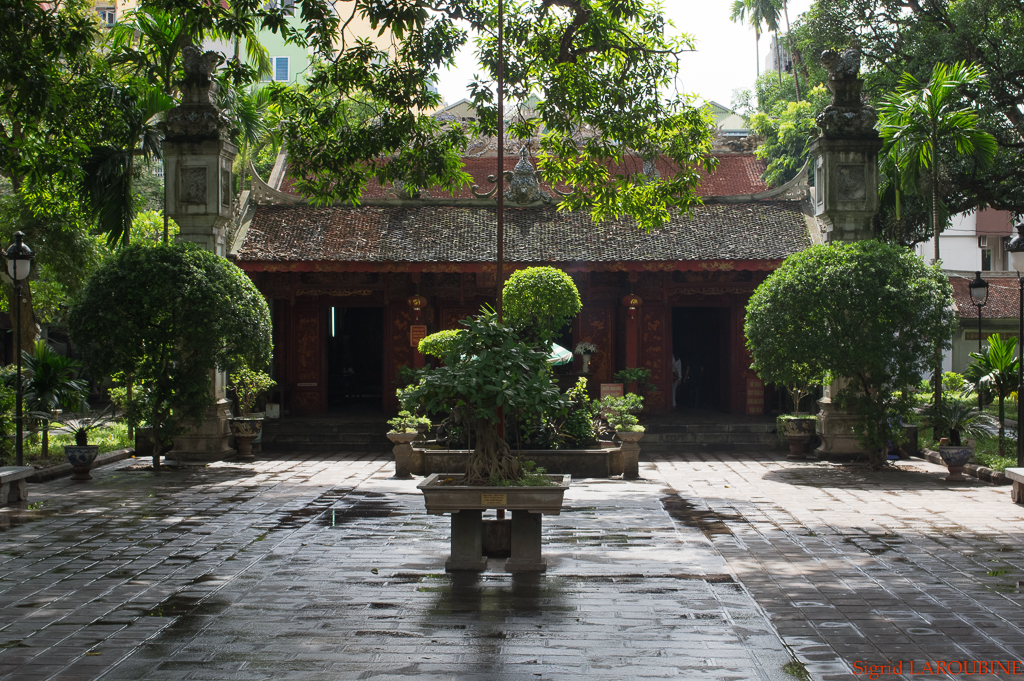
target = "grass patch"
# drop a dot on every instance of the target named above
(110, 437)
(797, 669)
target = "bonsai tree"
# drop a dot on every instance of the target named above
(496, 367)
(995, 370)
(621, 412)
(869, 312)
(49, 383)
(169, 316)
(247, 386)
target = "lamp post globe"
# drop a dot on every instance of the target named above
(19, 264)
(1016, 250)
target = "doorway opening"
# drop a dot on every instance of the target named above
(700, 340)
(355, 357)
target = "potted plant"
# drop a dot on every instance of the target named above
(585, 349)
(81, 455)
(798, 427)
(406, 428)
(620, 413)
(638, 379)
(961, 422)
(247, 386)
(498, 368)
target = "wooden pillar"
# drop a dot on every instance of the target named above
(632, 304)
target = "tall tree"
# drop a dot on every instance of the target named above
(767, 13)
(921, 121)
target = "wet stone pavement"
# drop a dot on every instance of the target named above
(324, 568)
(711, 567)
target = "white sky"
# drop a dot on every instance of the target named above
(724, 60)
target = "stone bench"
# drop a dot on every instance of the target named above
(1017, 491)
(13, 486)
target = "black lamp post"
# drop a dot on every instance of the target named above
(979, 294)
(1016, 250)
(19, 264)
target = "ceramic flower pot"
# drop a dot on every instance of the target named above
(81, 458)
(955, 457)
(798, 433)
(245, 429)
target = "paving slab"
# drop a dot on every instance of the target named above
(325, 568)
(861, 569)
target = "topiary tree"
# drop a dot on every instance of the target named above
(493, 366)
(870, 312)
(538, 301)
(168, 316)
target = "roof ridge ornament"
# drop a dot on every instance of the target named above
(523, 183)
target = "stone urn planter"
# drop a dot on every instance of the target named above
(798, 432)
(955, 456)
(630, 453)
(245, 429)
(442, 494)
(403, 453)
(81, 458)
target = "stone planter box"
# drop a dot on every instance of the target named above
(467, 504)
(579, 463)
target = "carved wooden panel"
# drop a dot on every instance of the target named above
(450, 316)
(397, 351)
(596, 326)
(309, 381)
(654, 343)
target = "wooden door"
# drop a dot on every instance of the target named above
(309, 388)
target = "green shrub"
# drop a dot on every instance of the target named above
(539, 301)
(621, 412)
(953, 382)
(441, 343)
(640, 376)
(407, 422)
(578, 429)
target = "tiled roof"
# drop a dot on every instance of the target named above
(736, 174)
(465, 234)
(1003, 297)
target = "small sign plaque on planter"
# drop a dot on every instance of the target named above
(495, 499)
(611, 390)
(417, 332)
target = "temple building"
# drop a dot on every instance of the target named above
(352, 288)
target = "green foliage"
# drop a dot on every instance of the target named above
(440, 344)
(247, 386)
(601, 65)
(621, 412)
(959, 420)
(995, 370)
(407, 422)
(489, 367)
(788, 129)
(577, 430)
(538, 301)
(530, 475)
(168, 315)
(641, 376)
(870, 312)
(82, 424)
(953, 382)
(49, 380)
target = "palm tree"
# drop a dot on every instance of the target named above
(995, 369)
(49, 383)
(766, 12)
(914, 119)
(918, 115)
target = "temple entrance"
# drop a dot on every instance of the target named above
(355, 357)
(701, 341)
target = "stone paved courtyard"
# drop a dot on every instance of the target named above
(321, 567)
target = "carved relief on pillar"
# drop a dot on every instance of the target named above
(401, 319)
(451, 316)
(596, 328)
(308, 386)
(652, 355)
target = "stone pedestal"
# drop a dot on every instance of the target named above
(846, 186)
(836, 430)
(630, 453)
(208, 442)
(467, 542)
(526, 550)
(403, 453)
(198, 156)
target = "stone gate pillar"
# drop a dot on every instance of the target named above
(198, 156)
(845, 159)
